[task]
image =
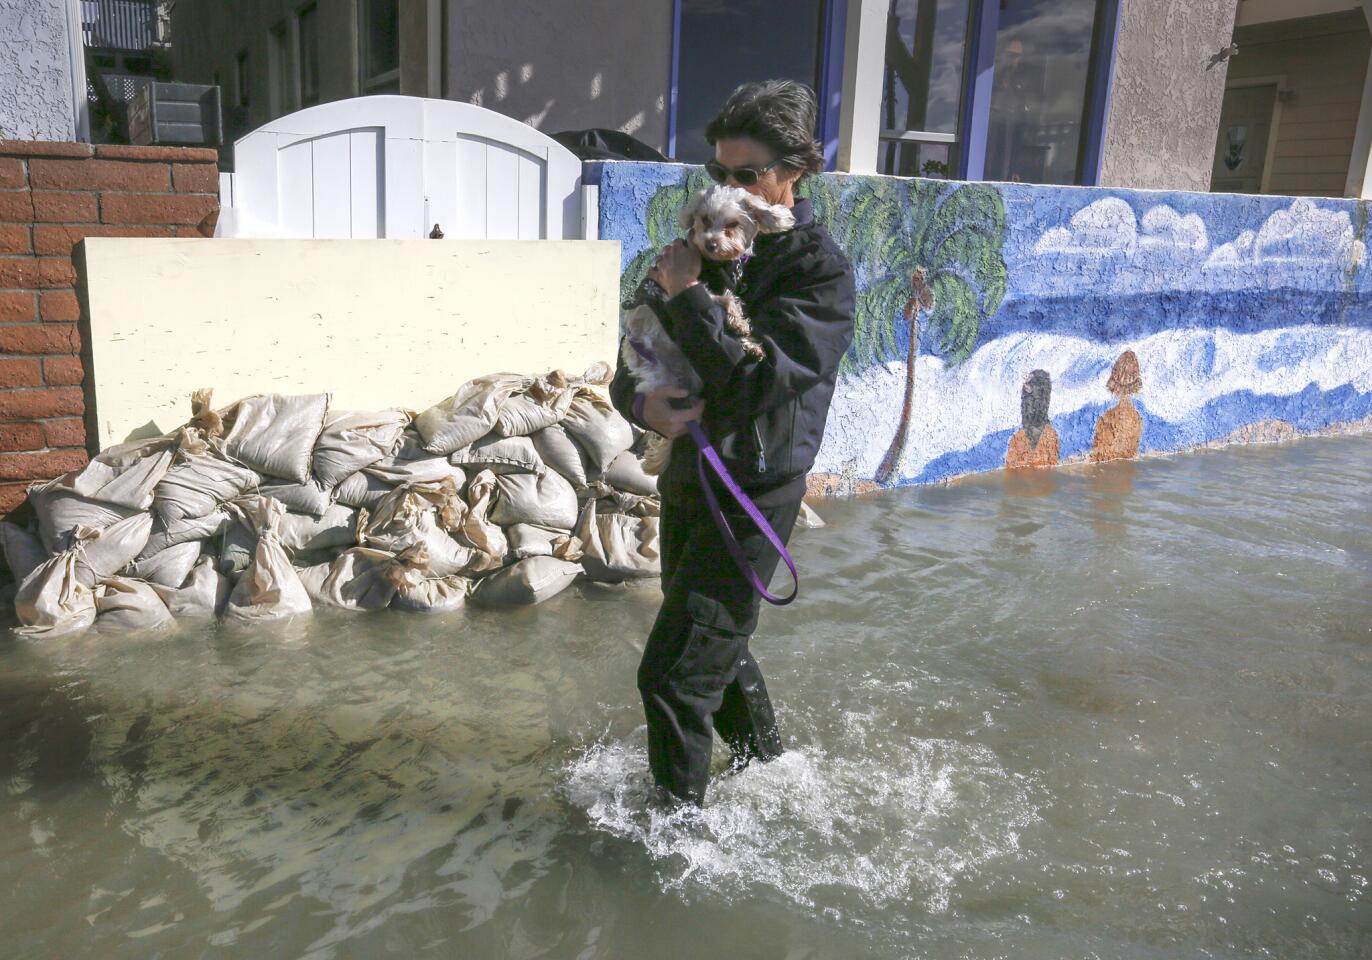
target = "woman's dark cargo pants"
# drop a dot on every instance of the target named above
(697, 675)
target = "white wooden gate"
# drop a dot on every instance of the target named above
(392, 166)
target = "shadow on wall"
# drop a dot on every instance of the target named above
(1010, 325)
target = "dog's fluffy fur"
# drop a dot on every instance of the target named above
(721, 224)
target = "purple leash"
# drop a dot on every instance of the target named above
(709, 455)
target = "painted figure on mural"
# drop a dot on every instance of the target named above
(1035, 444)
(1119, 429)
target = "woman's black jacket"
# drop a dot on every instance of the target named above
(766, 417)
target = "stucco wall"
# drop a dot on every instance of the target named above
(35, 71)
(1166, 94)
(567, 65)
(377, 323)
(1142, 322)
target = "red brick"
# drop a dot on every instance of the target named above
(40, 338)
(12, 174)
(12, 496)
(43, 148)
(50, 206)
(65, 432)
(63, 371)
(21, 436)
(58, 306)
(39, 466)
(42, 402)
(135, 208)
(195, 178)
(17, 307)
(59, 238)
(45, 174)
(16, 206)
(119, 151)
(36, 273)
(14, 238)
(20, 372)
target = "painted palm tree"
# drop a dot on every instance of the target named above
(660, 221)
(924, 252)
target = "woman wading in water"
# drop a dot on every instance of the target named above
(766, 418)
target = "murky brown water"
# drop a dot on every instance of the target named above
(1122, 711)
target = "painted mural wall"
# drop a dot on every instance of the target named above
(1028, 326)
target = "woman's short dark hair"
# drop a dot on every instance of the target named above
(779, 113)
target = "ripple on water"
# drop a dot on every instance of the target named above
(906, 828)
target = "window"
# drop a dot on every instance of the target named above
(282, 84)
(240, 79)
(1039, 90)
(307, 57)
(722, 45)
(926, 43)
(378, 33)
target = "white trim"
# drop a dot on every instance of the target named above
(1267, 11)
(864, 61)
(1359, 182)
(919, 136)
(1279, 80)
(76, 54)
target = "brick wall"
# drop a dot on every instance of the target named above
(52, 195)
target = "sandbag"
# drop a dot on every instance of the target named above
(275, 434)
(204, 593)
(60, 511)
(528, 581)
(353, 440)
(561, 454)
(469, 414)
(269, 589)
(237, 543)
(301, 532)
(542, 405)
(598, 430)
(477, 527)
(307, 497)
(363, 578)
(547, 500)
(394, 471)
(626, 473)
(362, 490)
(198, 484)
(618, 546)
(528, 540)
(103, 553)
(170, 567)
(124, 475)
(54, 600)
(500, 455)
(405, 520)
(808, 519)
(165, 535)
(23, 550)
(433, 595)
(123, 603)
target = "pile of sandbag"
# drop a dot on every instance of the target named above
(503, 494)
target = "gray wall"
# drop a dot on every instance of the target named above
(35, 71)
(565, 64)
(1165, 102)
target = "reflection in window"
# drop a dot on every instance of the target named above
(1038, 98)
(921, 99)
(379, 35)
(724, 43)
(308, 29)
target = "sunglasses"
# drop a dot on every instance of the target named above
(743, 176)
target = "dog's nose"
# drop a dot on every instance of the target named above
(712, 245)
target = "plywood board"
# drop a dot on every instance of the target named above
(377, 323)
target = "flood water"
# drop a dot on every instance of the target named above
(1114, 712)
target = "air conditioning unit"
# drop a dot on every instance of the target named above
(180, 114)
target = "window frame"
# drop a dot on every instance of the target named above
(304, 96)
(241, 88)
(388, 81)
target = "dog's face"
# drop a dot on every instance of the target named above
(721, 222)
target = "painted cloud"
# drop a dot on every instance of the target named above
(1302, 234)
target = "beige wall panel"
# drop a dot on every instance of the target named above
(377, 323)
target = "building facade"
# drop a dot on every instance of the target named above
(1139, 93)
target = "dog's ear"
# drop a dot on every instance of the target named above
(687, 216)
(770, 218)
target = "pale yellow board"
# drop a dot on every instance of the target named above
(376, 323)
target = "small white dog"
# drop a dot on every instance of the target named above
(721, 223)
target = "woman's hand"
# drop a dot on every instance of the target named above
(663, 417)
(676, 268)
